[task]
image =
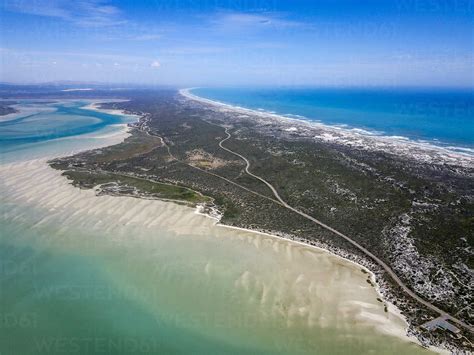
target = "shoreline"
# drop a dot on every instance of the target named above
(106, 136)
(385, 326)
(90, 104)
(94, 106)
(363, 263)
(124, 132)
(391, 308)
(21, 112)
(352, 137)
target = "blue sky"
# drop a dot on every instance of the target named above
(239, 42)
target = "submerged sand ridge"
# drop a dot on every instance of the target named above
(298, 284)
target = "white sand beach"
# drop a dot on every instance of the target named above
(95, 106)
(351, 137)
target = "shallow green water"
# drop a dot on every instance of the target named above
(71, 292)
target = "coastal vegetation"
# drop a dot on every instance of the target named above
(111, 181)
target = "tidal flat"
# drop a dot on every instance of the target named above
(159, 275)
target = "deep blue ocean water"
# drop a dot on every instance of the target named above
(440, 117)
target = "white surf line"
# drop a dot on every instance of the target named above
(425, 151)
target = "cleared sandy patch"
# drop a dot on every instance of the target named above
(204, 160)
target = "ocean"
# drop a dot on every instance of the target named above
(81, 274)
(438, 117)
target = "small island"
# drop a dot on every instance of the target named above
(6, 109)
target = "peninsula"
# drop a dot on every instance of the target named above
(405, 217)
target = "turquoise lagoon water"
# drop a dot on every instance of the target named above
(41, 121)
(439, 117)
(81, 274)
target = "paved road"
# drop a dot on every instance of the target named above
(354, 243)
(209, 172)
(282, 202)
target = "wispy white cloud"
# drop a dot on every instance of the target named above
(146, 37)
(87, 13)
(104, 56)
(243, 20)
(194, 50)
(131, 35)
(51, 8)
(96, 59)
(155, 64)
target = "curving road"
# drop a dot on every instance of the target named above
(282, 202)
(354, 243)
